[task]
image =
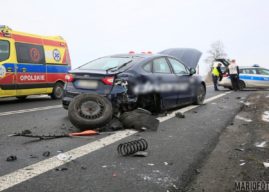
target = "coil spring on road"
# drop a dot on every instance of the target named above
(132, 147)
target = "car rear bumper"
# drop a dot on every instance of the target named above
(225, 82)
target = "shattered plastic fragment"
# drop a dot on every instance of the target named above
(150, 164)
(11, 158)
(261, 145)
(241, 164)
(265, 116)
(180, 115)
(46, 154)
(64, 157)
(266, 165)
(165, 163)
(61, 169)
(141, 154)
(239, 149)
(243, 118)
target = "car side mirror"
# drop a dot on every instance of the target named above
(192, 71)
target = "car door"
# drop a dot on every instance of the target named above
(183, 78)
(163, 79)
(263, 77)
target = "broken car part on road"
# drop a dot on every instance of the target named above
(47, 137)
(132, 147)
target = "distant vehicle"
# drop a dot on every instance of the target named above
(250, 77)
(32, 64)
(125, 82)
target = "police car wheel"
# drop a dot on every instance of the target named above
(242, 85)
(88, 111)
(200, 95)
(58, 91)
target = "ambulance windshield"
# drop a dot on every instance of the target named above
(4, 50)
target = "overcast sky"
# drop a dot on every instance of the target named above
(94, 28)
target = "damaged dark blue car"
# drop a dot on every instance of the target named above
(112, 85)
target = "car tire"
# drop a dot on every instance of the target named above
(21, 97)
(242, 85)
(200, 95)
(88, 111)
(58, 91)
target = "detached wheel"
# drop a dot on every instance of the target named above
(21, 97)
(242, 85)
(58, 91)
(87, 111)
(200, 95)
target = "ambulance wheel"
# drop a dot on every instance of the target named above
(21, 97)
(58, 91)
(88, 111)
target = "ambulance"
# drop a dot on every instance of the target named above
(32, 64)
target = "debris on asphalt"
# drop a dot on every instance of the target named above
(180, 115)
(266, 164)
(165, 163)
(265, 116)
(241, 164)
(243, 118)
(146, 120)
(151, 164)
(61, 169)
(83, 167)
(239, 149)
(11, 158)
(261, 145)
(47, 137)
(238, 97)
(114, 175)
(26, 132)
(197, 171)
(195, 112)
(104, 166)
(141, 154)
(46, 154)
(131, 147)
(33, 156)
(64, 157)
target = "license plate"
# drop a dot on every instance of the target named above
(87, 84)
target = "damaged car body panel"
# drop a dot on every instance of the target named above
(155, 82)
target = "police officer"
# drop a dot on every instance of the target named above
(233, 71)
(216, 75)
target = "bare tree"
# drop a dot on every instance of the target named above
(216, 52)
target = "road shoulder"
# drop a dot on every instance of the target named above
(241, 150)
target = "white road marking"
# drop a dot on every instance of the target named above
(30, 110)
(26, 173)
(36, 169)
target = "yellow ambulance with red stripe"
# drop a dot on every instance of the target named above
(32, 64)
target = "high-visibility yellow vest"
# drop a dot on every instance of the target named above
(215, 71)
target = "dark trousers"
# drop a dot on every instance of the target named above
(235, 82)
(215, 81)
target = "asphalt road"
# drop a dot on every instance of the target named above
(176, 150)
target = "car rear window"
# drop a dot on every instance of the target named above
(105, 63)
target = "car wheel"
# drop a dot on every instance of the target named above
(200, 95)
(58, 91)
(87, 111)
(21, 97)
(242, 85)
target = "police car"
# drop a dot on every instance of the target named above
(250, 77)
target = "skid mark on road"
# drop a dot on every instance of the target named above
(26, 173)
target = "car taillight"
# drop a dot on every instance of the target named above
(69, 78)
(108, 80)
